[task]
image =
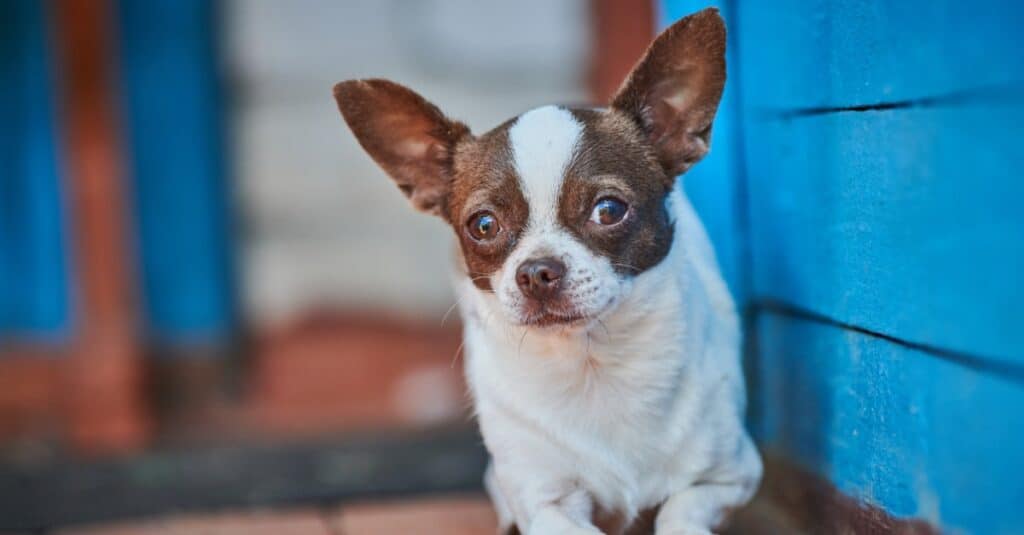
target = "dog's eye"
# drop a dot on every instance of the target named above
(483, 226)
(608, 211)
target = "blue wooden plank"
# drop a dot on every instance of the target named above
(713, 185)
(175, 122)
(906, 222)
(33, 266)
(898, 428)
(807, 53)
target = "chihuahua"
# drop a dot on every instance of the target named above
(602, 347)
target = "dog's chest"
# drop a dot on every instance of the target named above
(613, 411)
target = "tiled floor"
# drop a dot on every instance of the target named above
(452, 515)
(445, 515)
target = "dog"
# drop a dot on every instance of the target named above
(602, 346)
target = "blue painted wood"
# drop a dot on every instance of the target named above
(712, 185)
(914, 434)
(33, 266)
(806, 53)
(175, 127)
(906, 222)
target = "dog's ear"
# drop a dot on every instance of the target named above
(406, 135)
(673, 92)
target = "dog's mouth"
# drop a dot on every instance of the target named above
(555, 319)
(560, 314)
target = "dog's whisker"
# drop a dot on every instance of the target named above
(458, 352)
(627, 266)
(457, 302)
(480, 278)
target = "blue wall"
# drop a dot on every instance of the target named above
(34, 301)
(876, 226)
(168, 97)
(715, 186)
(175, 111)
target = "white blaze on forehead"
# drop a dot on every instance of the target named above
(543, 141)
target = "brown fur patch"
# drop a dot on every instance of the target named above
(614, 159)
(406, 135)
(673, 92)
(485, 178)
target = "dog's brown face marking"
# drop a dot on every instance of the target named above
(485, 180)
(613, 160)
(582, 188)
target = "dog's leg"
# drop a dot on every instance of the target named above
(697, 509)
(540, 508)
(569, 515)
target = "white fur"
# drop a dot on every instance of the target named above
(641, 406)
(543, 143)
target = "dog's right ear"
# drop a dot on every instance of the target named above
(673, 92)
(406, 135)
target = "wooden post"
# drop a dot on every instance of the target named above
(622, 30)
(104, 402)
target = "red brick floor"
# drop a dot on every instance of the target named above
(452, 515)
(447, 515)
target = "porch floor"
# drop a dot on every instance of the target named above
(457, 514)
(468, 514)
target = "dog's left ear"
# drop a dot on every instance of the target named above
(673, 92)
(406, 135)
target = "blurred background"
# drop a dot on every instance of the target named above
(196, 256)
(211, 299)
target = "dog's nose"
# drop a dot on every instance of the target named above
(540, 278)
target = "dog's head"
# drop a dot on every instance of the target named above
(556, 210)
